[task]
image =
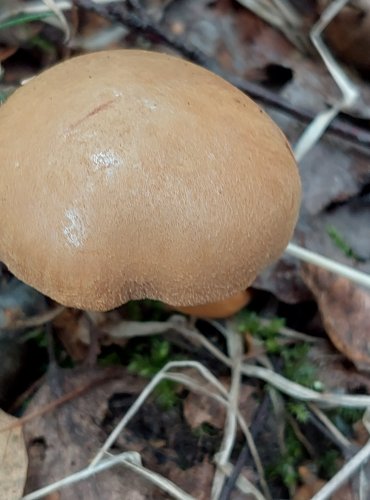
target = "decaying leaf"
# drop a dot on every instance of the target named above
(200, 409)
(349, 34)
(64, 441)
(13, 459)
(345, 311)
(197, 481)
(334, 373)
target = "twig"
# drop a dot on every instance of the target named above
(55, 403)
(39, 320)
(244, 456)
(30, 391)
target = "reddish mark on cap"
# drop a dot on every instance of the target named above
(93, 112)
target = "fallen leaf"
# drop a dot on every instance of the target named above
(334, 372)
(349, 35)
(200, 409)
(196, 481)
(65, 441)
(13, 459)
(345, 311)
(311, 484)
(284, 281)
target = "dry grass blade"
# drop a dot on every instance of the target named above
(283, 384)
(340, 439)
(235, 351)
(305, 255)
(303, 393)
(130, 460)
(147, 391)
(39, 7)
(223, 398)
(344, 474)
(350, 92)
(193, 385)
(53, 6)
(282, 16)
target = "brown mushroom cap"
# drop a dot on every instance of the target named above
(129, 174)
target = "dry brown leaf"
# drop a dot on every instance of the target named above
(334, 373)
(65, 441)
(196, 481)
(311, 484)
(199, 409)
(349, 35)
(13, 459)
(345, 311)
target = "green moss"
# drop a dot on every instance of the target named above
(247, 321)
(148, 360)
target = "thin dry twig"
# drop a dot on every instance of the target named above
(33, 321)
(55, 403)
(243, 484)
(245, 454)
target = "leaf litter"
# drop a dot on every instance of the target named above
(333, 222)
(13, 459)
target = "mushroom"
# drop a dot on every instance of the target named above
(220, 309)
(129, 174)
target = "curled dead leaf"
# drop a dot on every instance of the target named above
(345, 311)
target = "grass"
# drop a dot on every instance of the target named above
(339, 241)
(24, 19)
